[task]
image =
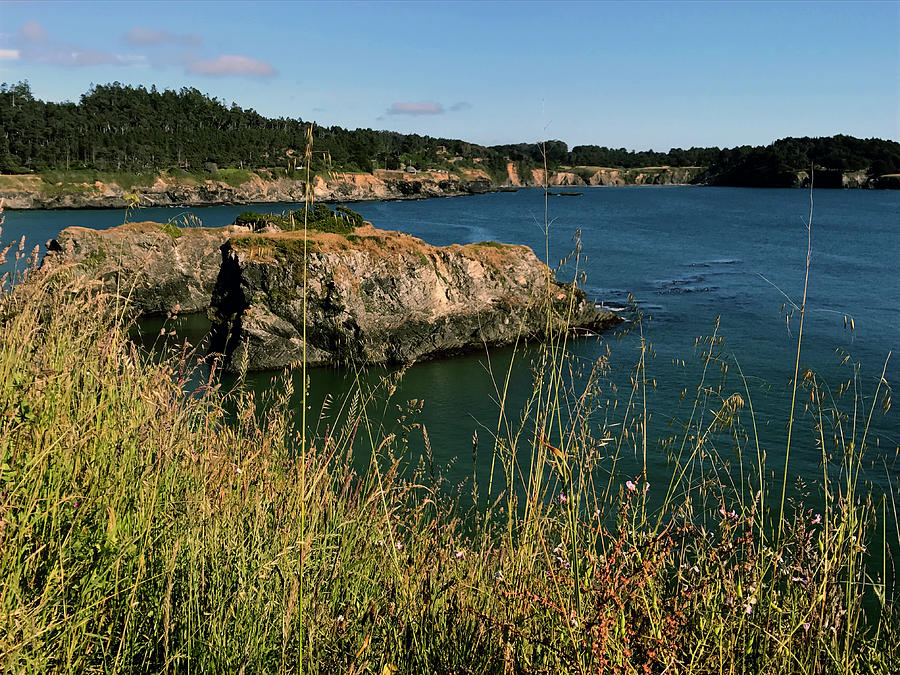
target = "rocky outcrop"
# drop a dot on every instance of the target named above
(556, 178)
(371, 296)
(652, 175)
(159, 267)
(592, 175)
(382, 297)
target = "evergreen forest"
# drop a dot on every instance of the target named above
(121, 128)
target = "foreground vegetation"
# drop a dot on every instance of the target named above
(150, 521)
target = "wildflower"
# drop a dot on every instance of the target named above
(729, 600)
(561, 498)
(460, 555)
(817, 519)
(631, 486)
(399, 545)
(646, 488)
(806, 626)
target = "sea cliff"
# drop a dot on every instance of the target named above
(371, 296)
(31, 192)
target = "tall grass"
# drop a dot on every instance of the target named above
(151, 524)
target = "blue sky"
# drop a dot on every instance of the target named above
(638, 75)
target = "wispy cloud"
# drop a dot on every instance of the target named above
(231, 64)
(157, 48)
(416, 108)
(36, 46)
(143, 37)
(32, 31)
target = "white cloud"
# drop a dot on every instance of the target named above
(416, 108)
(148, 36)
(33, 31)
(231, 64)
(34, 45)
(71, 56)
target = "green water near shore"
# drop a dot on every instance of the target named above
(688, 257)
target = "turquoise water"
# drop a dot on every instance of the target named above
(686, 255)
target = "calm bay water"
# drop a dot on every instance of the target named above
(687, 256)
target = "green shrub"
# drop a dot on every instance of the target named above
(320, 219)
(171, 229)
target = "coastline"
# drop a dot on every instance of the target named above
(31, 192)
(25, 192)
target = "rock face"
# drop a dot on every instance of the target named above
(28, 192)
(594, 175)
(159, 267)
(653, 175)
(382, 297)
(371, 296)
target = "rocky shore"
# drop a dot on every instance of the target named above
(372, 296)
(29, 191)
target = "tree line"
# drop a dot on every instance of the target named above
(116, 127)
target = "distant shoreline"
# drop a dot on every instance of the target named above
(33, 192)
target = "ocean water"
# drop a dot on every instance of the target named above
(687, 259)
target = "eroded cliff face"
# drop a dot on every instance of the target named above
(27, 192)
(160, 268)
(372, 296)
(592, 175)
(651, 175)
(382, 297)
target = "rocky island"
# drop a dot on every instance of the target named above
(372, 296)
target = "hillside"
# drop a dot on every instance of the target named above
(130, 137)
